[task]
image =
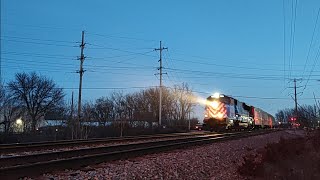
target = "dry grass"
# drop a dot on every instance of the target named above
(297, 158)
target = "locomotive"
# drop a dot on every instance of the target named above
(223, 112)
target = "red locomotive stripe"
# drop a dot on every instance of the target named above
(210, 114)
(221, 109)
(221, 105)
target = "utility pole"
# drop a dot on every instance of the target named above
(295, 98)
(160, 93)
(1, 43)
(4, 114)
(81, 71)
(71, 117)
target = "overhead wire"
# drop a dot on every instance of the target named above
(121, 37)
(284, 42)
(292, 34)
(312, 69)
(37, 39)
(311, 42)
(37, 43)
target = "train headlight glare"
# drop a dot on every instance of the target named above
(214, 104)
(216, 95)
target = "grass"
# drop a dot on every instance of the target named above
(297, 158)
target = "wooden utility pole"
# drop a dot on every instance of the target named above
(295, 99)
(81, 71)
(160, 93)
(71, 118)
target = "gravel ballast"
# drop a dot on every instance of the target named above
(214, 161)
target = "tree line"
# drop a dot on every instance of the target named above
(306, 115)
(34, 98)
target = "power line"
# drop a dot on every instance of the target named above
(39, 63)
(229, 66)
(195, 91)
(37, 43)
(312, 69)
(115, 49)
(205, 74)
(170, 61)
(122, 37)
(110, 88)
(37, 39)
(42, 27)
(311, 42)
(144, 54)
(188, 71)
(57, 57)
(36, 54)
(292, 39)
(248, 97)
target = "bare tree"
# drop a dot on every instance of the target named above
(307, 115)
(183, 102)
(103, 110)
(87, 119)
(11, 112)
(118, 100)
(37, 94)
(2, 102)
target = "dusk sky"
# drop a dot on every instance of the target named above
(249, 49)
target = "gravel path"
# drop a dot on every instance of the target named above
(214, 161)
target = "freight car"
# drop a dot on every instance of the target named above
(223, 112)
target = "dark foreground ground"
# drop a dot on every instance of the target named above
(236, 159)
(296, 158)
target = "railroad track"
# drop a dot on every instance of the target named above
(36, 164)
(39, 146)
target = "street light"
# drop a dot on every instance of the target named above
(19, 121)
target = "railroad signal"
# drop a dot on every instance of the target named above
(293, 118)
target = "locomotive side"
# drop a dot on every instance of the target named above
(223, 112)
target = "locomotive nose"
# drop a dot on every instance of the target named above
(214, 104)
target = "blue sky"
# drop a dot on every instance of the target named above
(233, 47)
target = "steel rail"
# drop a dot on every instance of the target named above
(23, 147)
(48, 156)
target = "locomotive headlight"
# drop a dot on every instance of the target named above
(216, 95)
(214, 104)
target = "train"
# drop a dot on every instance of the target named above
(223, 112)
